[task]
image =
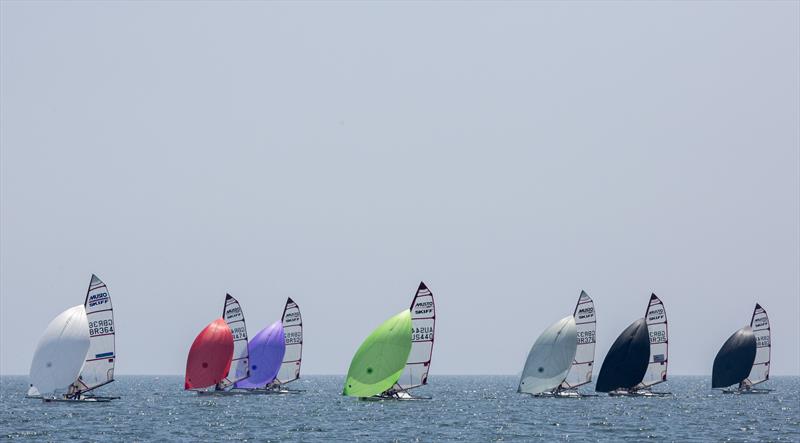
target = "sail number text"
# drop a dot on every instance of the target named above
(101, 327)
(585, 337)
(293, 338)
(422, 333)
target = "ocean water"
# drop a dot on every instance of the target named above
(463, 408)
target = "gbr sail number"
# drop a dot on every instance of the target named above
(101, 327)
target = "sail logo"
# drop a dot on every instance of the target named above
(233, 313)
(293, 338)
(656, 314)
(98, 299)
(585, 313)
(761, 322)
(291, 317)
(424, 307)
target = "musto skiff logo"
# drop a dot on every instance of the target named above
(423, 307)
(584, 313)
(291, 317)
(98, 299)
(233, 313)
(422, 333)
(101, 327)
(655, 314)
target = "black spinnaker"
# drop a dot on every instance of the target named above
(626, 361)
(734, 360)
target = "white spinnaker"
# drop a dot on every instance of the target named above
(293, 337)
(760, 370)
(234, 317)
(580, 372)
(423, 324)
(99, 367)
(550, 358)
(61, 352)
(656, 319)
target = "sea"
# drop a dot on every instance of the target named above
(461, 408)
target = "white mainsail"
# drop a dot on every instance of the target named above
(60, 353)
(423, 323)
(656, 319)
(99, 367)
(550, 358)
(760, 370)
(234, 317)
(293, 337)
(580, 373)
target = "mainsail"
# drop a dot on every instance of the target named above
(550, 358)
(99, 367)
(266, 351)
(423, 323)
(234, 317)
(210, 356)
(656, 317)
(580, 373)
(735, 359)
(627, 360)
(760, 370)
(293, 339)
(381, 359)
(60, 353)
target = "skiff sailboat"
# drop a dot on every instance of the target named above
(276, 353)
(78, 345)
(396, 356)
(562, 357)
(638, 358)
(218, 356)
(744, 358)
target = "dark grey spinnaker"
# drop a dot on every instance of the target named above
(626, 361)
(735, 359)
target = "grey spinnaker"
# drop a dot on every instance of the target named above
(626, 362)
(735, 359)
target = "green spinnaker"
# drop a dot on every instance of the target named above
(380, 360)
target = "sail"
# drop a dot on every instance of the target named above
(61, 352)
(580, 372)
(234, 317)
(423, 323)
(734, 359)
(656, 317)
(210, 356)
(626, 361)
(760, 324)
(265, 351)
(293, 335)
(550, 358)
(380, 360)
(99, 367)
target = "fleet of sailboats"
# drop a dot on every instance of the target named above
(744, 358)
(76, 354)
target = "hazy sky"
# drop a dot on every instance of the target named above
(509, 155)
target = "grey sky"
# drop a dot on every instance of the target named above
(509, 155)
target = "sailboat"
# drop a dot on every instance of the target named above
(276, 354)
(218, 356)
(638, 358)
(395, 357)
(90, 325)
(744, 358)
(562, 357)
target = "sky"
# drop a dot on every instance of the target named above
(508, 154)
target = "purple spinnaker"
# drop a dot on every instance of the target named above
(266, 354)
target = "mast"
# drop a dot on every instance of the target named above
(98, 369)
(423, 324)
(761, 330)
(656, 318)
(293, 336)
(580, 373)
(234, 316)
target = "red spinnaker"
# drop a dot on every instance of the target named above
(210, 356)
